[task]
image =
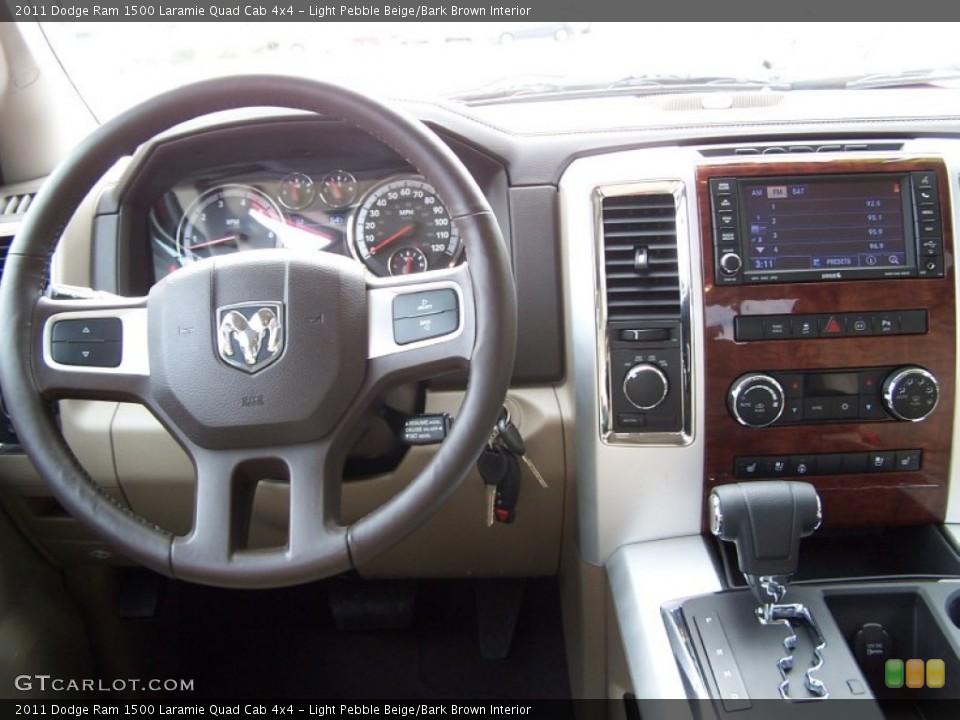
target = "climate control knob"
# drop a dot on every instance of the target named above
(756, 400)
(911, 393)
(645, 386)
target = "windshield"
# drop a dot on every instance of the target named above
(114, 65)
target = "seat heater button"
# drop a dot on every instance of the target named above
(94, 354)
(410, 330)
(431, 302)
(89, 330)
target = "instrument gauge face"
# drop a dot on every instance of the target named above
(338, 188)
(228, 219)
(296, 191)
(403, 227)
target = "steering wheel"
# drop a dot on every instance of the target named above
(325, 339)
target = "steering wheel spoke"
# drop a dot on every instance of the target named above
(217, 548)
(92, 348)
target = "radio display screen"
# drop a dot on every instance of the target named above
(807, 225)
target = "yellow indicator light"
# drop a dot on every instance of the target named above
(936, 674)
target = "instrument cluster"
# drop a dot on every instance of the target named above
(392, 221)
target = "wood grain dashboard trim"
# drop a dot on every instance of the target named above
(871, 499)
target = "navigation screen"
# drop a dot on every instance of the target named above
(824, 224)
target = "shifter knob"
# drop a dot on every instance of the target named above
(765, 520)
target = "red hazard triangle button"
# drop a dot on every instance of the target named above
(831, 326)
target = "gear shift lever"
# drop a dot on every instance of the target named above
(765, 520)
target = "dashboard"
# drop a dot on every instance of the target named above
(703, 300)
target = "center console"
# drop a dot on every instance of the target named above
(763, 317)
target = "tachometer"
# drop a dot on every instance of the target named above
(227, 219)
(402, 227)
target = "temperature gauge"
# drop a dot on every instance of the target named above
(296, 191)
(338, 188)
(407, 261)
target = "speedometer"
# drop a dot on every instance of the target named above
(402, 227)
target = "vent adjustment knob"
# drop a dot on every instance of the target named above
(645, 386)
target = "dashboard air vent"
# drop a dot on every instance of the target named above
(802, 148)
(18, 204)
(5, 243)
(640, 257)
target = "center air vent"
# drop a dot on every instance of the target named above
(640, 257)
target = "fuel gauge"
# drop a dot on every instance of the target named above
(296, 191)
(338, 188)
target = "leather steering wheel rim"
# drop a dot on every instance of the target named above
(23, 303)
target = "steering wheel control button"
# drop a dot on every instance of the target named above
(91, 342)
(414, 305)
(90, 330)
(92, 354)
(427, 327)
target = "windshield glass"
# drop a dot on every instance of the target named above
(114, 65)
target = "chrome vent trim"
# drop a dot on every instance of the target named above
(676, 191)
(641, 275)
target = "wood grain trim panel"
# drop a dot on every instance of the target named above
(899, 498)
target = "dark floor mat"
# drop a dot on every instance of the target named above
(283, 643)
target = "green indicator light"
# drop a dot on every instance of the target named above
(893, 673)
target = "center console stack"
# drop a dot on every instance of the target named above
(829, 364)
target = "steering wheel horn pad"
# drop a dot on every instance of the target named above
(196, 316)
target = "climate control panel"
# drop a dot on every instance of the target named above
(906, 393)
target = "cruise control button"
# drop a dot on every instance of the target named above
(89, 330)
(414, 305)
(94, 354)
(410, 330)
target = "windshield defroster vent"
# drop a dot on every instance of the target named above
(640, 257)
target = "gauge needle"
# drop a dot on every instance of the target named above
(396, 236)
(216, 241)
(407, 264)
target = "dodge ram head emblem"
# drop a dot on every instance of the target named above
(250, 335)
